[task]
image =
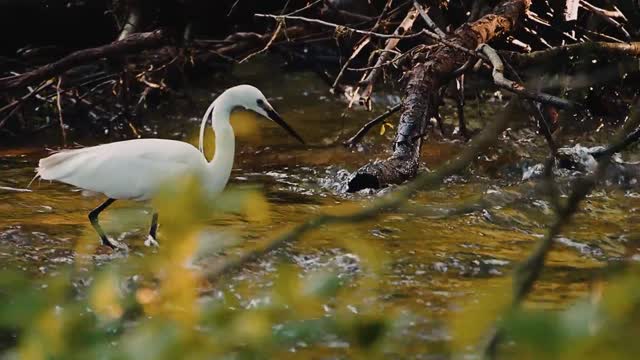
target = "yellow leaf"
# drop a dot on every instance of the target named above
(105, 297)
(382, 129)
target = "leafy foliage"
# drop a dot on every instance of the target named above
(156, 307)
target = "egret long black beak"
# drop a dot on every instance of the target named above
(273, 115)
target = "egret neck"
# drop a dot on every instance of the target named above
(219, 169)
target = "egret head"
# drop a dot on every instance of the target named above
(250, 98)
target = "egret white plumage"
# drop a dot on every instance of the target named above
(135, 169)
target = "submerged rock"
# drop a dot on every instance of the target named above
(580, 160)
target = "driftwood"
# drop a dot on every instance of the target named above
(424, 80)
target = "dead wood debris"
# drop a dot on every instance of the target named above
(420, 45)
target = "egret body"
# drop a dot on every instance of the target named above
(135, 169)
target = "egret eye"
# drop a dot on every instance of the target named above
(260, 102)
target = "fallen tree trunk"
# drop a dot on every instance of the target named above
(131, 44)
(428, 74)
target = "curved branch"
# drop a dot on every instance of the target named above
(504, 83)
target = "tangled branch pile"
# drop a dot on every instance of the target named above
(560, 57)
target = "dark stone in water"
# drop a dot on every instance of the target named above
(580, 160)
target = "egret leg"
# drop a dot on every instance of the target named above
(151, 239)
(93, 217)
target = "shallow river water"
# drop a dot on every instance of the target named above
(432, 262)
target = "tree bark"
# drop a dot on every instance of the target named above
(424, 81)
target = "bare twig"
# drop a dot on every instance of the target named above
(632, 138)
(363, 131)
(534, 109)
(267, 46)
(356, 51)
(15, 105)
(428, 20)
(361, 45)
(59, 105)
(342, 27)
(426, 32)
(502, 82)
(602, 36)
(399, 56)
(391, 44)
(607, 16)
(233, 6)
(279, 28)
(616, 13)
(308, 6)
(462, 126)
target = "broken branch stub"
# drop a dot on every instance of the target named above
(427, 75)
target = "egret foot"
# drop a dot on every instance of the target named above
(114, 244)
(151, 241)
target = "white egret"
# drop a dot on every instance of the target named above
(134, 169)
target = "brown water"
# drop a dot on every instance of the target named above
(432, 263)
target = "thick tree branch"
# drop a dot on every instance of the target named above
(424, 80)
(595, 49)
(132, 44)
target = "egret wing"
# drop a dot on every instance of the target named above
(130, 169)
